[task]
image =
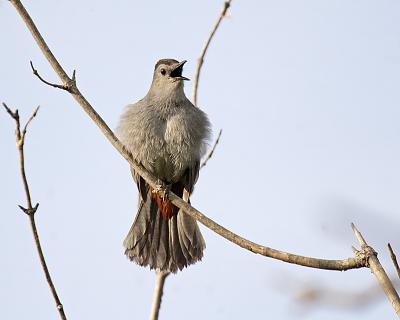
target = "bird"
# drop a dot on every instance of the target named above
(168, 136)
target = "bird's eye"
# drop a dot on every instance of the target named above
(163, 72)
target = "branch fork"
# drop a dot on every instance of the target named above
(365, 254)
(70, 84)
(29, 211)
(370, 257)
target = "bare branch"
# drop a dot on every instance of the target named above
(371, 258)
(66, 87)
(13, 114)
(394, 259)
(350, 263)
(211, 152)
(29, 210)
(158, 292)
(28, 122)
(225, 8)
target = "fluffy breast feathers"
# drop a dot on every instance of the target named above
(166, 139)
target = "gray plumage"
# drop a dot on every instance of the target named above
(168, 136)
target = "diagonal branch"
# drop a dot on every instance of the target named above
(222, 15)
(371, 259)
(346, 264)
(29, 210)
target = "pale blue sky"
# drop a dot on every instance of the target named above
(307, 95)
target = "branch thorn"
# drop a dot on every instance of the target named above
(358, 235)
(29, 211)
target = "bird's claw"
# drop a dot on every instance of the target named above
(162, 189)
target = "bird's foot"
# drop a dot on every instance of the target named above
(162, 189)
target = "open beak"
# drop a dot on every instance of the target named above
(176, 73)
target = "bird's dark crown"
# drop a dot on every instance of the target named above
(168, 62)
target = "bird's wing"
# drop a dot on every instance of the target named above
(141, 184)
(190, 177)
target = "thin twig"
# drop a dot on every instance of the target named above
(346, 264)
(204, 50)
(211, 152)
(13, 115)
(29, 210)
(394, 259)
(54, 85)
(371, 258)
(158, 293)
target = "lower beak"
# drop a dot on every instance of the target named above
(182, 78)
(178, 70)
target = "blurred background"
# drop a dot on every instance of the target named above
(306, 93)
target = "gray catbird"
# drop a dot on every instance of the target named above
(168, 135)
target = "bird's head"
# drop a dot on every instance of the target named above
(167, 77)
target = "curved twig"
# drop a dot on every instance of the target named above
(204, 50)
(211, 152)
(29, 210)
(66, 87)
(350, 263)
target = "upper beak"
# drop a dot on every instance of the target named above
(176, 73)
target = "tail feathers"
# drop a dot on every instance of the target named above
(191, 240)
(166, 245)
